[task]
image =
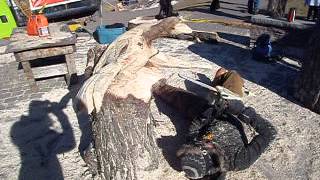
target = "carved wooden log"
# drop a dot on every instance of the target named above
(308, 84)
(118, 97)
(192, 35)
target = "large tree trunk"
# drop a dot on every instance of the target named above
(118, 97)
(308, 84)
(277, 8)
(124, 138)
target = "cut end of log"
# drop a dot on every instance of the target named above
(139, 87)
(160, 29)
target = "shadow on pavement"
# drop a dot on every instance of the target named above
(40, 136)
(277, 77)
(170, 144)
(46, 132)
(181, 107)
(233, 3)
(206, 9)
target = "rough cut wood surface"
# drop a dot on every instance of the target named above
(192, 35)
(123, 59)
(20, 41)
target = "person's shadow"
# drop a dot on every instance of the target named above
(169, 145)
(181, 107)
(40, 136)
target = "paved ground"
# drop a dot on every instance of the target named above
(42, 122)
(14, 87)
(229, 10)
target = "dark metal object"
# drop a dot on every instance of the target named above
(198, 83)
(3, 19)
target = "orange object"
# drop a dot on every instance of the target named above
(38, 25)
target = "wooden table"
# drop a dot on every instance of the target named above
(28, 48)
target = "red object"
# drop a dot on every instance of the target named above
(39, 3)
(292, 14)
(38, 25)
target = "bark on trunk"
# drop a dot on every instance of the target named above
(124, 138)
(277, 8)
(308, 84)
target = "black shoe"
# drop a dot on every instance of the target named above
(159, 17)
(213, 10)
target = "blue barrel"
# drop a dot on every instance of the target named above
(106, 34)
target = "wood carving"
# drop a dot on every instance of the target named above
(118, 96)
(191, 35)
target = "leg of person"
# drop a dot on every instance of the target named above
(170, 8)
(250, 6)
(309, 12)
(212, 9)
(162, 10)
(166, 8)
(215, 4)
(318, 15)
(315, 13)
(256, 5)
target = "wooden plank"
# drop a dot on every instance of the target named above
(29, 75)
(20, 41)
(50, 71)
(42, 53)
(72, 76)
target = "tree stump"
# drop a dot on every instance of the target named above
(124, 138)
(118, 96)
(308, 84)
